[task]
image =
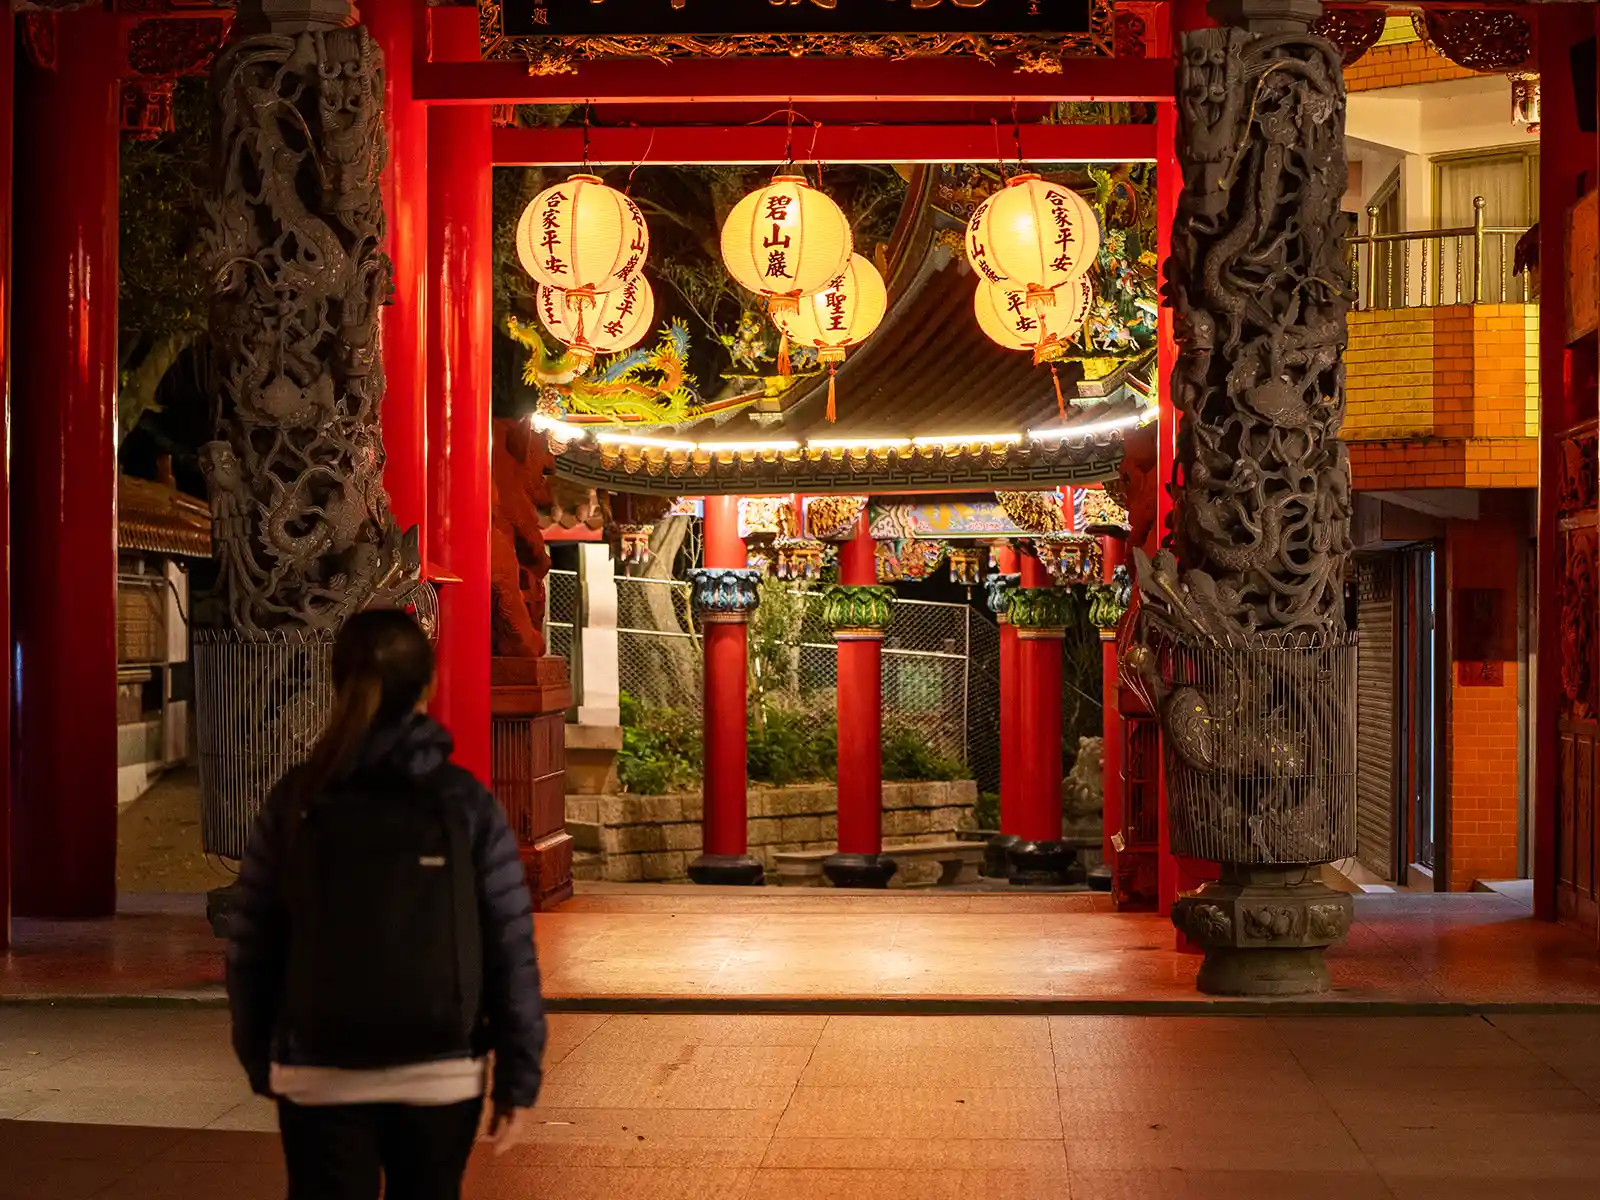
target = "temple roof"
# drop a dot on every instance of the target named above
(927, 403)
(159, 519)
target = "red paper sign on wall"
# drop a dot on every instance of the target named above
(1481, 674)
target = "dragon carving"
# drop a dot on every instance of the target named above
(1240, 625)
(650, 384)
(301, 519)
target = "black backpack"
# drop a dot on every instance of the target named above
(385, 955)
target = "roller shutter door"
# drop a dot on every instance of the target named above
(1375, 709)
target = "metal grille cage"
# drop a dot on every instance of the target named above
(261, 704)
(1260, 750)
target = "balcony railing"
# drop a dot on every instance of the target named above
(1473, 264)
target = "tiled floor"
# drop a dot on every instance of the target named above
(636, 945)
(129, 1104)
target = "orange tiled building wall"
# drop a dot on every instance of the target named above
(1397, 65)
(1484, 558)
(1443, 397)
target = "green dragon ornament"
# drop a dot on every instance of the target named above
(649, 384)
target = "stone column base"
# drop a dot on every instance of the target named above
(1044, 864)
(729, 870)
(1264, 930)
(859, 870)
(997, 856)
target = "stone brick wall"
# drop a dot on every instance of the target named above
(652, 839)
(1398, 65)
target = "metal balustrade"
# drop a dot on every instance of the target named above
(1426, 268)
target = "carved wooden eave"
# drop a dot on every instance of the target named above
(680, 469)
(156, 518)
(560, 52)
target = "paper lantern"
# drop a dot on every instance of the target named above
(617, 319)
(842, 314)
(784, 241)
(1036, 235)
(582, 237)
(1003, 314)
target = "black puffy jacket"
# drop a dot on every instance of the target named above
(258, 927)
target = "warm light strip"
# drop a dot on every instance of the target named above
(628, 439)
(560, 428)
(876, 443)
(969, 439)
(748, 447)
(1126, 422)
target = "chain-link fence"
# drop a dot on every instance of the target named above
(941, 661)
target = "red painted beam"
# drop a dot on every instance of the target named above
(783, 80)
(685, 144)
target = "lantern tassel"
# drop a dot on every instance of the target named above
(832, 415)
(1061, 404)
(783, 354)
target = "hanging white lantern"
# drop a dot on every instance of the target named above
(841, 315)
(1003, 314)
(582, 237)
(784, 241)
(615, 321)
(1037, 235)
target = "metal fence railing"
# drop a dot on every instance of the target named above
(940, 660)
(1425, 268)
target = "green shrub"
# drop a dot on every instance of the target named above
(792, 742)
(986, 811)
(909, 755)
(660, 749)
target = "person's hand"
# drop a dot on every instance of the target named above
(505, 1127)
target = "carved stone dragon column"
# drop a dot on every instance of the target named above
(302, 524)
(1241, 644)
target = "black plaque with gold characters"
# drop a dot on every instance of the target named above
(711, 18)
(1035, 34)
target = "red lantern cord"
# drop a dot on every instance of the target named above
(783, 353)
(832, 415)
(1061, 404)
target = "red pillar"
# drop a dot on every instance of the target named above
(460, 316)
(1567, 165)
(724, 610)
(64, 823)
(396, 24)
(1006, 563)
(860, 861)
(1113, 553)
(8, 27)
(1040, 857)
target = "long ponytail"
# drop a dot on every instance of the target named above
(382, 665)
(355, 708)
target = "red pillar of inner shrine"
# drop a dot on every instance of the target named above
(1007, 563)
(724, 596)
(859, 619)
(1113, 553)
(1038, 610)
(460, 319)
(395, 24)
(7, 61)
(64, 377)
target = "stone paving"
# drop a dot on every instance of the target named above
(146, 1104)
(637, 946)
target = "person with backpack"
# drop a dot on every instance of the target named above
(382, 947)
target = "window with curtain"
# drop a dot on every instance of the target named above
(1508, 182)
